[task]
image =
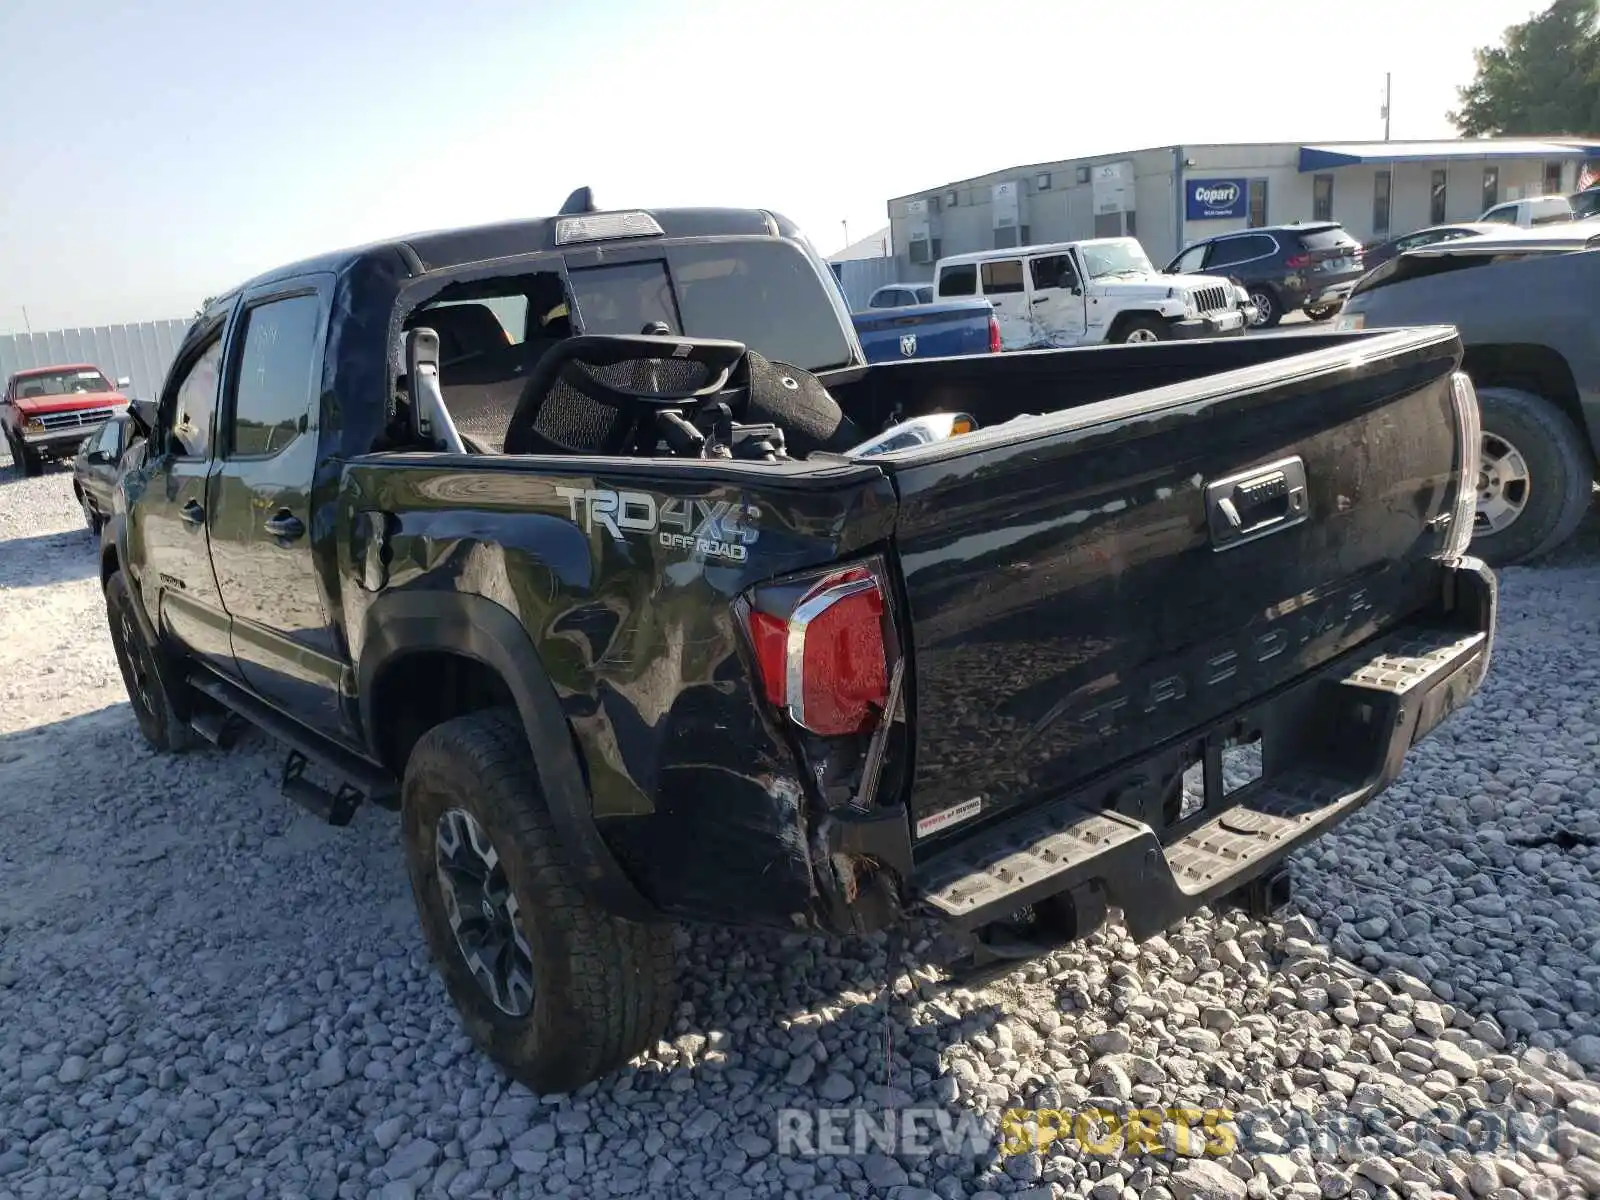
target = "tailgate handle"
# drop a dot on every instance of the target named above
(1256, 503)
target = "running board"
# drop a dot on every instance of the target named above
(218, 726)
(357, 778)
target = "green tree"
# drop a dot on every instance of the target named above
(1544, 77)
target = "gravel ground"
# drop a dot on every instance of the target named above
(205, 993)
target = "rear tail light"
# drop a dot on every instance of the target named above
(994, 334)
(1469, 434)
(822, 648)
(1297, 262)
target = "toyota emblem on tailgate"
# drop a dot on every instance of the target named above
(908, 344)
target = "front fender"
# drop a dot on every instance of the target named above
(401, 623)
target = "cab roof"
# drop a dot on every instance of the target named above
(28, 372)
(444, 249)
(975, 256)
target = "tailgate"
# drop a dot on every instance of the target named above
(926, 330)
(1078, 593)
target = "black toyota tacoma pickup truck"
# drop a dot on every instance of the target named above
(591, 545)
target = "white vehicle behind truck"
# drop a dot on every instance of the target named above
(1088, 292)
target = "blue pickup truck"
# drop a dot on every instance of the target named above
(902, 321)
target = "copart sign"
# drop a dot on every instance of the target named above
(1210, 199)
(715, 528)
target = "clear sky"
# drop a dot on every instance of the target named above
(154, 153)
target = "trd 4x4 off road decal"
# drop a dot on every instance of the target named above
(714, 528)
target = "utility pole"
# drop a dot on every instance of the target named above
(1387, 76)
(846, 225)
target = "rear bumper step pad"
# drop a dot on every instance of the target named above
(1347, 731)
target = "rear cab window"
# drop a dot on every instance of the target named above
(765, 294)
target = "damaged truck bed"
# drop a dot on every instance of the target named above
(715, 621)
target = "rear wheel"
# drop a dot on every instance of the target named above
(554, 990)
(144, 673)
(90, 516)
(1535, 479)
(1268, 311)
(1141, 329)
(25, 460)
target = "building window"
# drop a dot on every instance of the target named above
(1133, 223)
(1322, 197)
(1552, 179)
(1042, 182)
(1491, 187)
(1083, 174)
(1380, 203)
(950, 198)
(1258, 203)
(1436, 198)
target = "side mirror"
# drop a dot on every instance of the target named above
(123, 383)
(143, 413)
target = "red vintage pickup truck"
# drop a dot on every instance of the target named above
(48, 412)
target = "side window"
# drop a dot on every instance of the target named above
(925, 295)
(1502, 216)
(109, 442)
(196, 402)
(959, 280)
(1053, 271)
(1229, 250)
(273, 398)
(1002, 278)
(881, 299)
(1188, 263)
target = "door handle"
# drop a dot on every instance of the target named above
(284, 524)
(193, 512)
(1040, 299)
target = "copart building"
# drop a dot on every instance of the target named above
(1169, 196)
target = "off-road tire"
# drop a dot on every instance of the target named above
(27, 463)
(144, 673)
(1560, 468)
(1128, 327)
(91, 515)
(603, 987)
(1270, 308)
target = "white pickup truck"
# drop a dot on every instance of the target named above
(1099, 290)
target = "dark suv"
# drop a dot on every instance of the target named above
(1285, 268)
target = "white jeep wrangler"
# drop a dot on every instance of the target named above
(1099, 290)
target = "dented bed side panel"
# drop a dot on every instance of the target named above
(626, 584)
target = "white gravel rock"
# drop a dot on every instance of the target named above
(204, 993)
